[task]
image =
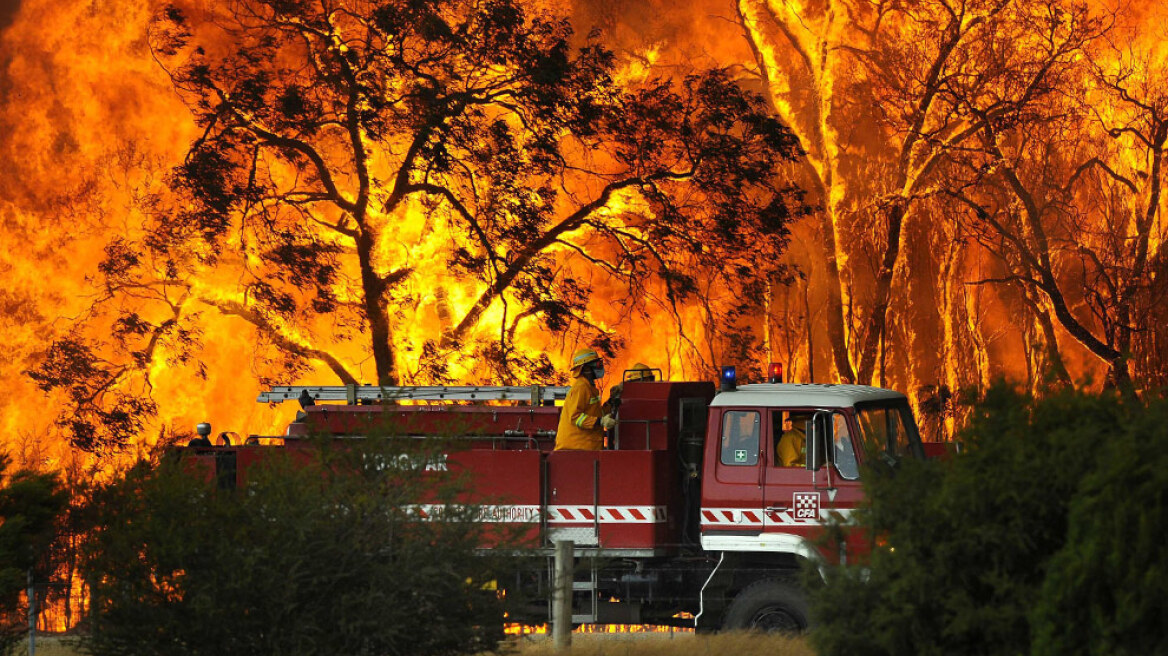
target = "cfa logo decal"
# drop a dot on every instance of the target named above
(805, 505)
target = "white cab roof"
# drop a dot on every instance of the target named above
(803, 395)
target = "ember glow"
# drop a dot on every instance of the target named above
(983, 180)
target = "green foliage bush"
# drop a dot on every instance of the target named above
(318, 553)
(1044, 535)
(30, 505)
(1106, 591)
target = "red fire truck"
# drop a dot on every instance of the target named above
(696, 515)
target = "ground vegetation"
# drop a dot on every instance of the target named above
(1034, 539)
(321, 552)
(31, 507)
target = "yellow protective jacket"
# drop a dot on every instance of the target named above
(793, 448)
(579, 428)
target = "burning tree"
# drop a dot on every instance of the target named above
(1070, 204)
(1066, 194)
(927, 77)
(365, 166)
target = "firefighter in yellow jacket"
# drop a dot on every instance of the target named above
(581, 426)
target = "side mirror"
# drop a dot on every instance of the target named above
(819, 436)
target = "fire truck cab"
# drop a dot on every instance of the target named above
(699, 513)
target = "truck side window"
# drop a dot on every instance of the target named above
(884, 430)
(874, 426)
(898, 433)
(845, 454)
(740, 433)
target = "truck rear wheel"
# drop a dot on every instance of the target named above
(770, 606)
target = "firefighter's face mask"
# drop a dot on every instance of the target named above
(598, 370)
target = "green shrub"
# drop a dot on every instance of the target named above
(316, 554)
(30, 504)
(961, 548)
(1106, 591)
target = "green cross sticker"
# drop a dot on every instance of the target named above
(740, 455)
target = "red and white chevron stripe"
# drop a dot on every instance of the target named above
(749, 518)
(559, 514)
(564, 514)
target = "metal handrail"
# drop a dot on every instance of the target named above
(535, 394)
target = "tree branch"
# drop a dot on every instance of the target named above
(282, 340)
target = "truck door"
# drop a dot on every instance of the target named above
(733, 505)
(797, 501)
(791, 501)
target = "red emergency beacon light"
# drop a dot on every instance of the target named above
(775, 373)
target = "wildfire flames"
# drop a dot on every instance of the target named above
(982, 181)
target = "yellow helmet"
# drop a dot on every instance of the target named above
(639, 371)
(582, 357)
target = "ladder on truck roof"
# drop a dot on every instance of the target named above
(353, 394)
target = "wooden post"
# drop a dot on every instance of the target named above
(31, 615)
(562, 595)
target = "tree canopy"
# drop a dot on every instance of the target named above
(410, 183)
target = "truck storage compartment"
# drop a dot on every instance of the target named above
(507, 484)
(572, 496)
(612, 499)
(638, 500)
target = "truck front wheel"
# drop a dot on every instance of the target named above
(770, 606)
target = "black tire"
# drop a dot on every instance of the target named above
(769, 606)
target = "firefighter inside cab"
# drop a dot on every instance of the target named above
(792, 447)
(582, 425)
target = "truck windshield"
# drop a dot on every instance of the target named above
(890, 428)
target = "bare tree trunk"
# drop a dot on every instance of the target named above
(1119, 369)
(1045, 358)
(808, 325)
(757, 19)
(1032, 353)
(878, 319)
(380, 333)
(1119, 375)
(1119, 372)
(767, 337)
(1056, 367)
(836, 316)
(977, 339)
(951, 357)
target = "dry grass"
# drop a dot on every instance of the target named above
(597, 644)
(664, 644)
(51, 646)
